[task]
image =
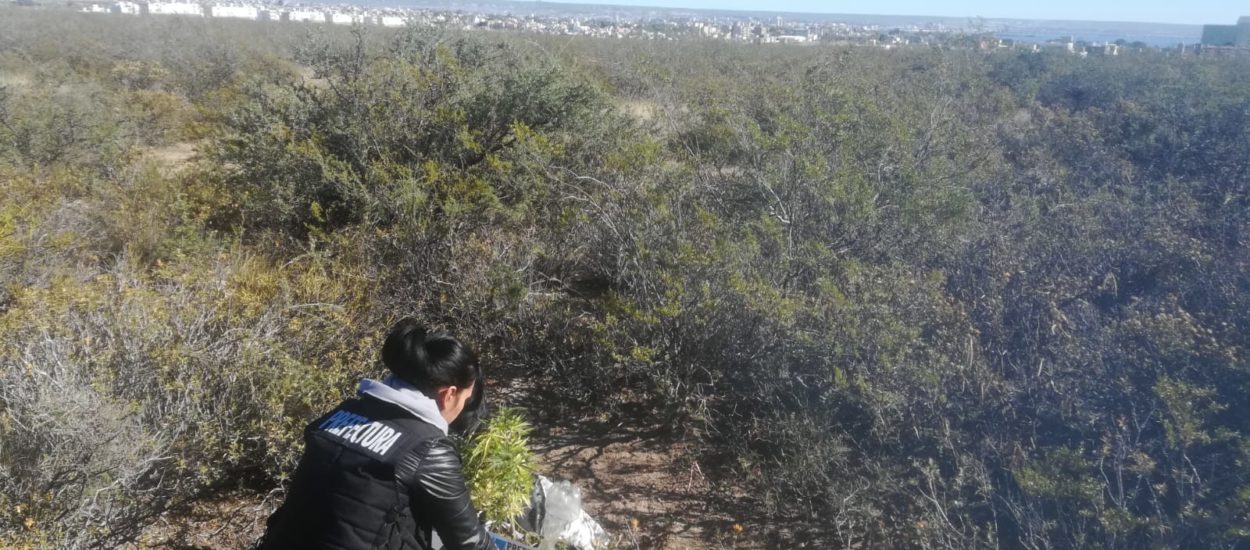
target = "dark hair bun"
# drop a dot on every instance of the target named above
(428, 359)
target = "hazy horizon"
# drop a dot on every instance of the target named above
(1202, 12)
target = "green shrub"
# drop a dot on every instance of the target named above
(415, 131)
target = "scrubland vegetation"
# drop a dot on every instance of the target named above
(910, 299)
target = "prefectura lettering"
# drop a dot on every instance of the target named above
(362, 432)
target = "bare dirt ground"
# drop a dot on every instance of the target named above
(14, 79)
(648, 486)
(647, 490)
(173, 157)
(643, 110)
(227, 521)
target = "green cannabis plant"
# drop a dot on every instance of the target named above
(499, 466)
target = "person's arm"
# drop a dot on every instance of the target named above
(439, 485)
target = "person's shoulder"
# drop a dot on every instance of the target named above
(439, 446)
(437, 453)
(433, 461)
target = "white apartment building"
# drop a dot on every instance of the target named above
(126, 8)
(392, 21)
(237, 11)
(175, 8)
(346, 18)
(314, 16)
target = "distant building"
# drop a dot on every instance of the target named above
(1066, 45)
(237, 11)
(310, 15)
(392, 21)
(346, 18)
(1228, 36)
(126, 8)
(1104, 49)
(175, 8)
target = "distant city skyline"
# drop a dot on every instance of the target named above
(1192, 12)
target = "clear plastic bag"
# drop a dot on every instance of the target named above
(560, 517)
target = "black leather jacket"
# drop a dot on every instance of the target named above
(374, 476)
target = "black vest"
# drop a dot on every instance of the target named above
(350, 489)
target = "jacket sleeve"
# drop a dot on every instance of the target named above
(438, 484)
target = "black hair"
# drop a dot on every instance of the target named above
(429, 359)
(474, 413)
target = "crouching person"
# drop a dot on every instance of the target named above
(379, 471)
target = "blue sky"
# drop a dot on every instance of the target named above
(1156, 11)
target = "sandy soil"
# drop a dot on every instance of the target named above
(646, 491)
(643, 110)
(14, 79)
(173, 157)
(228, 521)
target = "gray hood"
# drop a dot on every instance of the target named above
(397, 392)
